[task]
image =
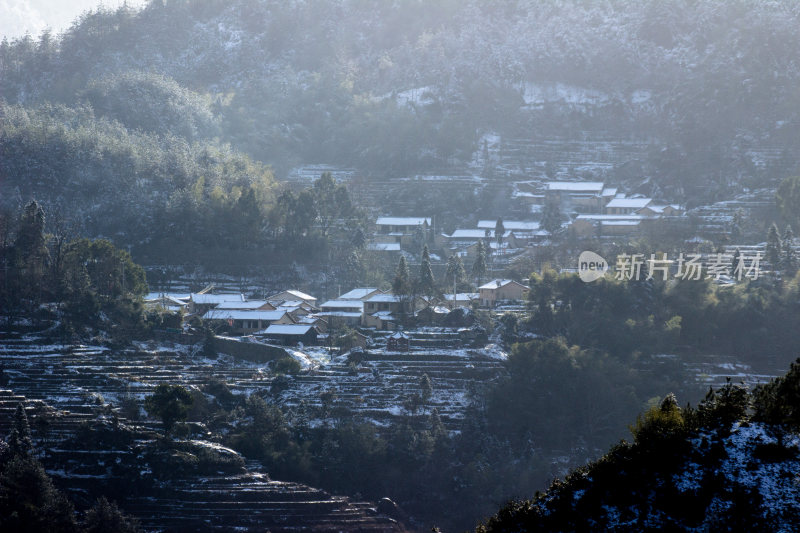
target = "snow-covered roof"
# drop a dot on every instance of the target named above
(621, 223)
(341, 314)
(216, 298)
(293, 303)
(384, 246)
(288, 329)
(634, 203)
(383, 315)
(402, 221)
(166, 300)
(607, 218)
(575, 186)
(235, 314)
(475, 234)
(398, 335)
(609, 191)
(357, 293)
(462, 296)
(342, 304)
(250, 304)
(498, 283)
(299, 295)
(386, 297)
(513, 225)
(175, 295)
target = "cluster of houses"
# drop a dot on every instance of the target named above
(292, 317)
(287, 317)
(594, 209)
(590, 209)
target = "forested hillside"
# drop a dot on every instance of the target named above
(729, 464)
(399, 87)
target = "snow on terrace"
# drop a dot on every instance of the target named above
(76, 379)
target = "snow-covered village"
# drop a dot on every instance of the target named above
(367, 266)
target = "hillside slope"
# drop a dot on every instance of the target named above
(731, 464)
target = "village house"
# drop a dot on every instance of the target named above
(384, 311)
(342, 312)
(585, 196)
(501, 290)
(606, 225)
(359, 293)
(319, 322)
(461, 299)
(244, 322)
(200, 303)
(626, 206)
(399, 230)
(165, 302)
(654, 210)
(388, 247)
(294, 295)
(291, 334)
(249, 305)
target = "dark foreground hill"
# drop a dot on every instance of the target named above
(731, 464)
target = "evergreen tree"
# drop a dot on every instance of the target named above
(778, 402)
(774, 247)
(425, 388)
(248, 215)
(106, 517)
(358, 239)
(170, 403)
(19, 440)
(552, 216)
(30, 254)
(788, 260)
(736, 226)
(499, 231)
(30, 502)
(479, 267)
(427, 283)
(455, 273)
(401, 285)
(788, 236)
(788, 199)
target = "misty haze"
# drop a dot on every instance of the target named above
(370, 266)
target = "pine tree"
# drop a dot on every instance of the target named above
(400, 284)
(774, 245)
(455, 271)
(788, 261)
(499, 231)
(19, 440)
(30, 256)
(426, 388)
(479, 268)
(552, 216)
(170, 403)
(106, 517)
(30, 502)
(788, 236)
(736, 225)
(427, 283)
